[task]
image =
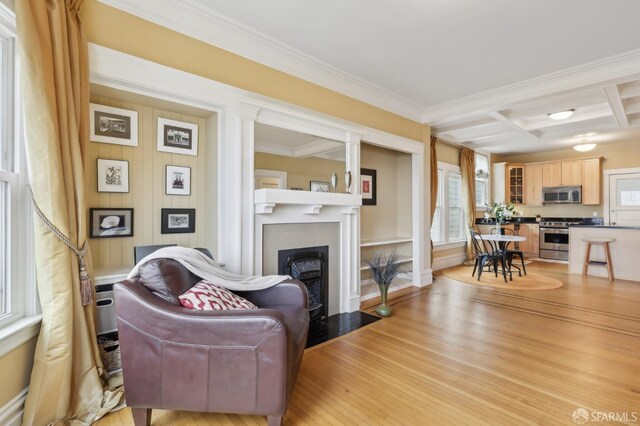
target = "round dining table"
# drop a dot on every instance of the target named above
(501, 242)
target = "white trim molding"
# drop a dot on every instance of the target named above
(205, 24)
(18, 333)
(11, 413)
(448, 261)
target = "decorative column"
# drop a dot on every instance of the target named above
(351, 236)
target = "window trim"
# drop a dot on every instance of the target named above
(447, 168)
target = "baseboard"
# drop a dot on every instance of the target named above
(11, 413)
(448, 261)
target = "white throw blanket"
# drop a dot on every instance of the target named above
(204, 267)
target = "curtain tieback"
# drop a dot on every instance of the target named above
(86, 290)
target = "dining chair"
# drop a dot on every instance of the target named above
(486, 255)
(511, 253)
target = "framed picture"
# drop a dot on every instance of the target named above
(368, 187)
(113, 175)
(113, 125)
(178, 180)
(110, 223)
(178, 221)
(318, 186)
(270, 179)
(177, 137)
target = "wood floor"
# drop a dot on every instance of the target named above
(460, 354)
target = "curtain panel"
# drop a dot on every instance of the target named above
(434, 186)
(468, 175)
(66, 385)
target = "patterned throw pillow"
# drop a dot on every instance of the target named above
(206, 296)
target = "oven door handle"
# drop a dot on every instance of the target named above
(554, 231)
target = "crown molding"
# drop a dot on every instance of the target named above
(195, 20)
(612, 70)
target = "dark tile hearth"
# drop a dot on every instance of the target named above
(337, 325)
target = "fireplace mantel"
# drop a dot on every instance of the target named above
(267, 199)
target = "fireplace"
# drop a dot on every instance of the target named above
(310, 265)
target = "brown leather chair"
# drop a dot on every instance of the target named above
(234, 361)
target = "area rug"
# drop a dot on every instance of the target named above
(531, 281)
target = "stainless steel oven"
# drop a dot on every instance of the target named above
(554, 241)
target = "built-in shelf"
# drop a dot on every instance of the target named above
(401, 259)
(267, 199)
(371, 242)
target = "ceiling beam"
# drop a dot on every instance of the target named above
(617, 107)
(513, 126)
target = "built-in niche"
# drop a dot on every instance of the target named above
(387, 225)
(287, 159)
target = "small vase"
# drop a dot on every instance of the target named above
(498, 229)
(334, 182)
(347, 182)
(383, 309)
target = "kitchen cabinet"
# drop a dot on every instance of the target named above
(551, 174)
(533, 184)
(531, 231)
(571, 172)
(515, 188)
(591, 181)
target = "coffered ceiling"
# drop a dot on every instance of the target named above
(482, 73)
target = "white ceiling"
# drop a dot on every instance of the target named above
(482, 73)
(279, 141)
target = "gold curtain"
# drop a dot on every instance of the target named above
(468, 175)
(434, 185)
(65, 380)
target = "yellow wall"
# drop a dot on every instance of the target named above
(15, 370)
(126, 33)
(302, 170)
(147, 186)
(615, 156)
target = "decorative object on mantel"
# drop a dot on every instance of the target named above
(501, 212)
(318, 186)
(334, 182)
(383, 270)
(347, 182)
(368, 187)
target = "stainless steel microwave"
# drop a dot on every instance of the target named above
(562, 195)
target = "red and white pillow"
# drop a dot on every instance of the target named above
(207, 296)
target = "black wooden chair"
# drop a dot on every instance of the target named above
(487, 256)
(511, 253)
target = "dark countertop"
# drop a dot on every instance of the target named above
(604, 226)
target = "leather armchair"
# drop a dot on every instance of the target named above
(234, 361)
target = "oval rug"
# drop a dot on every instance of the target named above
(531, 281)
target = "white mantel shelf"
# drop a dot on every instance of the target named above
(311, 202)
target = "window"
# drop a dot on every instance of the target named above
(448, 220)
(482, 181)
(18, 303)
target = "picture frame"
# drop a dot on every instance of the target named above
(110, 222)
(177, 137)
(113, 175)
(178, 221)
(178, 180)
(368, 187)
(319, 186)
(275, 179)
(113, 125)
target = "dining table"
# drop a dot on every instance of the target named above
(501, 243)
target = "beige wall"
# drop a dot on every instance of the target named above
(302, 170)
(614, 156)
(147, 185)
(15, 370)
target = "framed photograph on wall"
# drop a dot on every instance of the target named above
(177, 137)
(110, 223)
(113, 125)
(368, 187)
(178, 180)
(318, 186)
(178, 221)
(113, 175)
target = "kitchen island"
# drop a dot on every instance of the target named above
(624, 250)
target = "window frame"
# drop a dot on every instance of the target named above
(444, 169)
(22, 321)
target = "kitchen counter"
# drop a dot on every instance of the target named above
(624, 250)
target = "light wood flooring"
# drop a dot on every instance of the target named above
(460, 354)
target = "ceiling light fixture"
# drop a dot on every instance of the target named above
(561, 115)
(584, 146)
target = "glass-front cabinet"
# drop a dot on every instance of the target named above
(515, 183)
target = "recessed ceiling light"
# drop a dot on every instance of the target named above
(561, 115)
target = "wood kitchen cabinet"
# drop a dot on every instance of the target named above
(591, 181)
(515, 184)
(533, 184)
(571, 172)
(551, 174)
(530, 247)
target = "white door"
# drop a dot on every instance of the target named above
(624, 199)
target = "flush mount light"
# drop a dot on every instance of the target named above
(561, 115)
(584, 146)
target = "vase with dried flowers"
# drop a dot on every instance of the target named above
(383, 270)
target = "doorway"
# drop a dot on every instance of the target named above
(622, 197)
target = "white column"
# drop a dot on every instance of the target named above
(421, 257)
(351, 234)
